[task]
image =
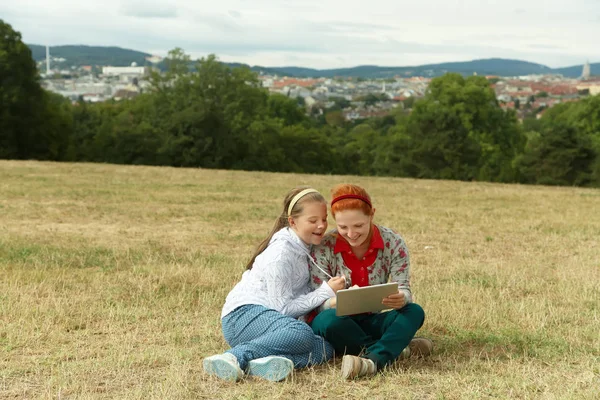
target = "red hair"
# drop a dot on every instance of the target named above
(350, 204)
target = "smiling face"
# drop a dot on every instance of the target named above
(354, 226)
(310, 225)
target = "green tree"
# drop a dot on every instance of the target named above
(285, 109)
(393, 152)
(307, 150)
(359, 151)
(584, 117)
(458, 131)
(205, 114)
(409, 102)
(55, 134)
(372, 98)
(23, 103)
(177, 65)
(532, 124)
(558, 156)
(265, 151)
(340, 103)
(335, 118)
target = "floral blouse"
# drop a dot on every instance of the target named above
(391, 265)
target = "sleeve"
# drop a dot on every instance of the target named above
(282, 273)
(400, 267)
(322, 255)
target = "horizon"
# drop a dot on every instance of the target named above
(324, 35)
(319, 69)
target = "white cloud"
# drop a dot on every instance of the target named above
(144, 9)
(323, 33)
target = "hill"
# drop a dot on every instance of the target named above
(77, 55)
(492, 66)
(112, 280)
(575, 71)
(94, 55)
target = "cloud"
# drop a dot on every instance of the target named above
(139, 9)
(316, 33)
(234, 14)
(349, 27)
(545, 46)
(219, 22)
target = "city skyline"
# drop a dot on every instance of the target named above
(331, 34)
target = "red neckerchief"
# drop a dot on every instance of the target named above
(359, 267)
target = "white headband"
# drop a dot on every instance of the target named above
(298, 197)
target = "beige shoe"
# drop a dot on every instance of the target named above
(420, 347)
(353, 367)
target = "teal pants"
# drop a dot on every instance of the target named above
(381, 336)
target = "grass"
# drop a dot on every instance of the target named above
(112, 279)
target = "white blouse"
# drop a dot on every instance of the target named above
(279, 279)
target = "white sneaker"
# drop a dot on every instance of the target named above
(272, 368)
(224, 366)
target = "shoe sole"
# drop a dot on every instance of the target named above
(273, 369)
(221, 369)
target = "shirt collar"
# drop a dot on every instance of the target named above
(296, 239)
(341, 245)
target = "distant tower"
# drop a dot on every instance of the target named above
(47, 60)
(585, 74)
(383, 88)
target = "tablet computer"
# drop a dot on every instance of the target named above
(363, 299)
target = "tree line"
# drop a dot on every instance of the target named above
(214, 116)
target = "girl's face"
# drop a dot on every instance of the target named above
(354, 226)
(311, 224)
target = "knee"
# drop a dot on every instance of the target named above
(327, 323)
(414, 313)
(302, 335)
(321, 351)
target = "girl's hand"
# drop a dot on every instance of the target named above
(395, 300)
(337, 283)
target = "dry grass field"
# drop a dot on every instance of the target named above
(112, 279)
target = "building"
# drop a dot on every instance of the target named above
(154, 59)
(591, 85)
(126, 73)
(586, 73)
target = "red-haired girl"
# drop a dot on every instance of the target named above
(366, 254)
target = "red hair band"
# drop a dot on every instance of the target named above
(352, 196)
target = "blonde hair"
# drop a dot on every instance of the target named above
(282, 220)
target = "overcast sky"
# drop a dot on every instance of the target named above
(323, 33)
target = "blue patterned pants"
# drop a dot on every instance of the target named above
(255, 331)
